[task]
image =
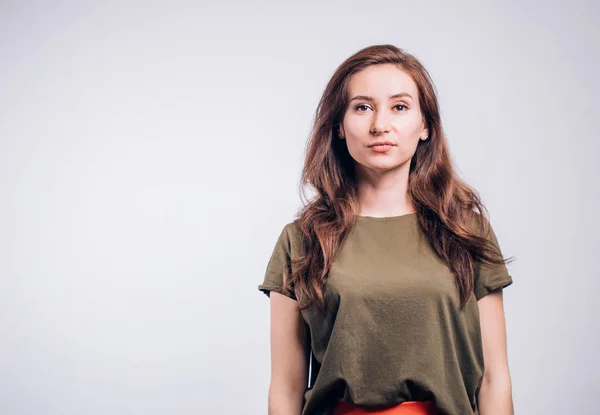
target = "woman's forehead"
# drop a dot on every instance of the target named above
(382, 82)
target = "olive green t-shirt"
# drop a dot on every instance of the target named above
(392, 331)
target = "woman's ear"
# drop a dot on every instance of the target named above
(341, 132)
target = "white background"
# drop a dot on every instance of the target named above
(150, 154)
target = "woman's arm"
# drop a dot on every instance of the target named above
(290, 348)
(495, 395)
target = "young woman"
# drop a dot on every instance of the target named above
(387, 287)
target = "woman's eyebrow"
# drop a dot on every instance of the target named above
(368, 98)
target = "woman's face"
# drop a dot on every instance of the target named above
(383, 107)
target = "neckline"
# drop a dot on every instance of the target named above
(361, 218)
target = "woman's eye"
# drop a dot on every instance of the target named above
(357, 108)
(364, 107)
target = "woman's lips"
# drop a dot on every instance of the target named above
(382, 148)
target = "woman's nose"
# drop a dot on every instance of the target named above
(380, 124)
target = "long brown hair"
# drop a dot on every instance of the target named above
(446, 207)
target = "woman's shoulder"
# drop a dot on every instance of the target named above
(292, 235)
(292, 227)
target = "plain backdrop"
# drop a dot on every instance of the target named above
(150, 154)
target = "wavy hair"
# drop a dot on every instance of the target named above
(450, 213)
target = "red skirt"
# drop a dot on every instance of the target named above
(404, 408)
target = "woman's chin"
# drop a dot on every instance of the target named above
(383, 165)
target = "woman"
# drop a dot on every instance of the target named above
(390, 279)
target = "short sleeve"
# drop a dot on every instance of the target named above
(279, 264)
(490, 277)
